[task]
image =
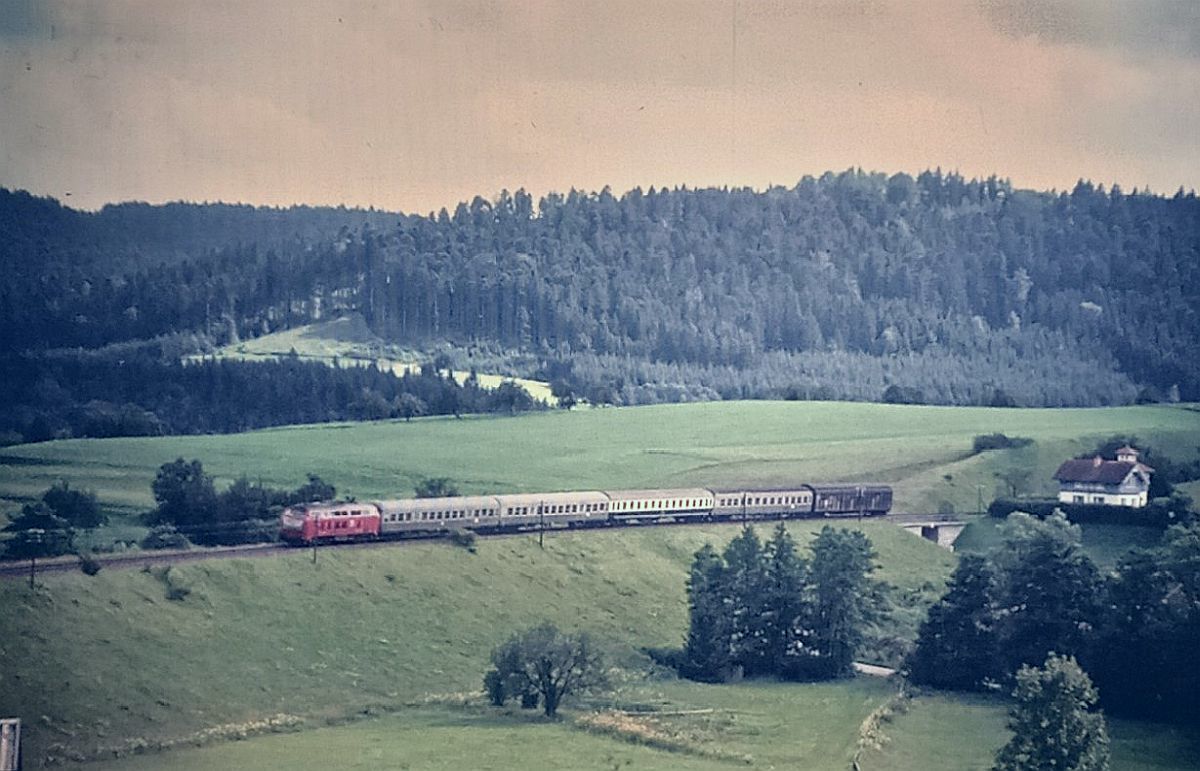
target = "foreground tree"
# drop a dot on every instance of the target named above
(1143, 663)
(956, 645)
(1053, 723)
(706, 654)
(1048, 591)
(784, 575)
(545, 664)
(745, 592)
(841, 602)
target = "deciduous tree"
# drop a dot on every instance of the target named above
(545, 662)
(1053, 722)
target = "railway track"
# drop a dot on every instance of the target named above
(14, 570)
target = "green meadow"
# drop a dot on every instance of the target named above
(939, 732)
(673, 725)
(925, 452)
(293, 649)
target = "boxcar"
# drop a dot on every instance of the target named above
(877, 499)
(835, 500)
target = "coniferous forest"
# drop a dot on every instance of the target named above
(927, 289)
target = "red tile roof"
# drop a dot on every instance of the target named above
(1105, 472)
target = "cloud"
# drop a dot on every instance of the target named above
(23, 19)
(1145, 27)
(418, 105)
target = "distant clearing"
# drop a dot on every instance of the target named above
(348, 342)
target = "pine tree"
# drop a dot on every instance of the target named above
(784, 574)
(746, 592)
(956, 646)
(708, 653)
(841, 602)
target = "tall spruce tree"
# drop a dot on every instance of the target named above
(747, 596)
(708, 653)
(841, 602)
(1047, 597)
(956, 646)
(784, 576)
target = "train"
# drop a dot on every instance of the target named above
(347, 521)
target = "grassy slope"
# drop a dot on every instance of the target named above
(107, 658)
(962, 733)
(111, 658)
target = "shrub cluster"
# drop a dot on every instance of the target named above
(985, 442)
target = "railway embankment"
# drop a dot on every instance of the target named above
(92, 662)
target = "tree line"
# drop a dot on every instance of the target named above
(61, 396)
(188, 509)
(1132, 629)
(934, 284)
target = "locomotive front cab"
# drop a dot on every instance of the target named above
(297, 525)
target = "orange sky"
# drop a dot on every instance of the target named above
(417, 105)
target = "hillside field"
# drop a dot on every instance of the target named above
(925, 452)
(108, 663)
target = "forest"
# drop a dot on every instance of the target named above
(853, 285)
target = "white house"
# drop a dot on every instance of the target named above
(1096, 481)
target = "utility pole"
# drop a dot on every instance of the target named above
(979, 500)
(34, 535)
(541, 524)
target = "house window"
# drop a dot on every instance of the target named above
(1077, 499)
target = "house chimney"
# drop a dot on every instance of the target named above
(1096, 461)
(1127, 455)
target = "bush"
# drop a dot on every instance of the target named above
(436, 487)
(165, 537)
(89, 565)
(463, 538)
(984, 442)
(1160, 513)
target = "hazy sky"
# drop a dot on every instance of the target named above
(416, 105)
